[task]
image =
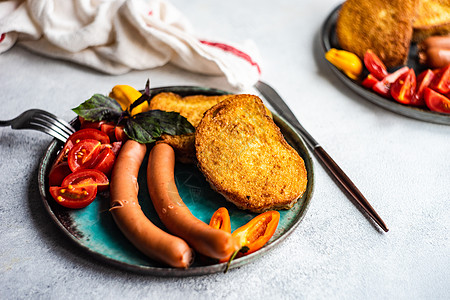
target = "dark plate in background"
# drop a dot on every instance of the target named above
(93, 228)
(329, 40)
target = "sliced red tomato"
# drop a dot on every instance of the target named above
(120, 135)
(375, 66)
(369, 81)
(86, 177)
(62, 155)
(104, 161)
(74, 197)
(441, 81)
(436, 101)
(58, 172)
(423, 80)
(383, 87)
(89, 133)
(90, 124)
(109, 129)
(404, 88)
(82, 154)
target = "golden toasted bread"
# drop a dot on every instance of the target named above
(384, 26)
(432, 18)
(244, 156)
(190, 107)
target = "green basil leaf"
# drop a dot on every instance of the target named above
(146, 127)
(98, 108)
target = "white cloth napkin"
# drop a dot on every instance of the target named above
(117, 36)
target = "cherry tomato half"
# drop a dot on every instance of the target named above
(58, 172)
(423, 80)
(375, 66)
(90, 124)
(383, 87)
(74, 197)
(404, 88)
(82, 154)
(86, 177)
(89, 133)
(120, 135)
(441, 81)
(369, 81)
(104, 161)
(436, 101)
(108, 128)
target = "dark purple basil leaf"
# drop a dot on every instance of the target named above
(99, 108)
(148, 126)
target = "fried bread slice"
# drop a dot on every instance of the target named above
(190, 107)
(244, 156)
(384, 26)
(433, 18)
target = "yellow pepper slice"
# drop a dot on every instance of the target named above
(126, 95)
(346, 61)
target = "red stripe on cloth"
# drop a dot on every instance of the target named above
(234, 51)
(2, 37)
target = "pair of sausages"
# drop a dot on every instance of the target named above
(188, 231)
(434, 51)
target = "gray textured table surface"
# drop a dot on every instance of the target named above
(400, 164)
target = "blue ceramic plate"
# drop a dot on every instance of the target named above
(93, 229)
(329, 40)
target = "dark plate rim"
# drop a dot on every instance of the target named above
(326, 33)
(286, 128)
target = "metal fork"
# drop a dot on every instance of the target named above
(41, 120)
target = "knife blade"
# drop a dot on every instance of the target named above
(278, 104)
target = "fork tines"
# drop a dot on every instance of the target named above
(51, 124)
(43, 121)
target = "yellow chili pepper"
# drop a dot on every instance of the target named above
(126, 95)
(346, 61)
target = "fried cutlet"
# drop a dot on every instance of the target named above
(190, 107)
(244, 156)
(433, 18)
(384, 26)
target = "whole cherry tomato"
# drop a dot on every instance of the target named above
(404, 88)
(436, 101)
